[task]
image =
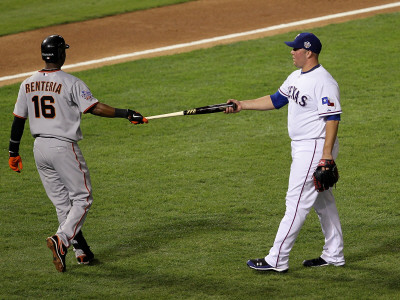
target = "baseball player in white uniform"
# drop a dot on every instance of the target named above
(313, 99)
(54, 102)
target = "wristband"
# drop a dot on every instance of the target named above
(121, 113)
(13, 147)
(13, 154)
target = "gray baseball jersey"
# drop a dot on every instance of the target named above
(54, 102)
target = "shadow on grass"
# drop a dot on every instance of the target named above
(135, 259)
(366, 267)
(156, 236)
(140, 258)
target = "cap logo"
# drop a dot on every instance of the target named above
(307, 45)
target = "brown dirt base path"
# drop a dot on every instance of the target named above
(154, 28)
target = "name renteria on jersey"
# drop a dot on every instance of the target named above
(294, 94)
(45, 86)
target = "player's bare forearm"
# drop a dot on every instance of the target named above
(330, 138)
(103, 110)
(262, 103)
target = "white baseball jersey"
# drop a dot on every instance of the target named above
(312, 95)
(54, 102)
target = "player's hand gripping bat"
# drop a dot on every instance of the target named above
(196, 111)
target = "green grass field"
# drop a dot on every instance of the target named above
(182, 203)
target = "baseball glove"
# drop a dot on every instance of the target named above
(326, 175)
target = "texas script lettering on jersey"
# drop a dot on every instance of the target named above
(294, 95)
(45, 86)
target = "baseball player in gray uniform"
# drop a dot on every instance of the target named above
(54, 102)
(313, 100)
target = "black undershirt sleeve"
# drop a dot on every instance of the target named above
(17, 129)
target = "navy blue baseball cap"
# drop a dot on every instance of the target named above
(306, 40)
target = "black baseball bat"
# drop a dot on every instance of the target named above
(209, 109)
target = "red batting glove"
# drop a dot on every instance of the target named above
(15, 163)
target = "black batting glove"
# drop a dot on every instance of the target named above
(136, 118)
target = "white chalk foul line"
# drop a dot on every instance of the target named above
(215, 39)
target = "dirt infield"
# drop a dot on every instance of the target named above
(142, 30)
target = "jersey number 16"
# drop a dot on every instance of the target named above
(44, 107)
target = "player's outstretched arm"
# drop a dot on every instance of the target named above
(104, 110)
(262, 103)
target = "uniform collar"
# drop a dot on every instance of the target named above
(50, 70)
(312, 69)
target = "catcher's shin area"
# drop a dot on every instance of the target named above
(196, 111)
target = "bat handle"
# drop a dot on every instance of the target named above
(233, 105)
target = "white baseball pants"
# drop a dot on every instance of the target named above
(300, 198)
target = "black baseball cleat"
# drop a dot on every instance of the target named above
(84, 257)
(82, 250)
(260, 264)
(59, 251)
(316, 262)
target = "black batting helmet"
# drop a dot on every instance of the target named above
(52, 48)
